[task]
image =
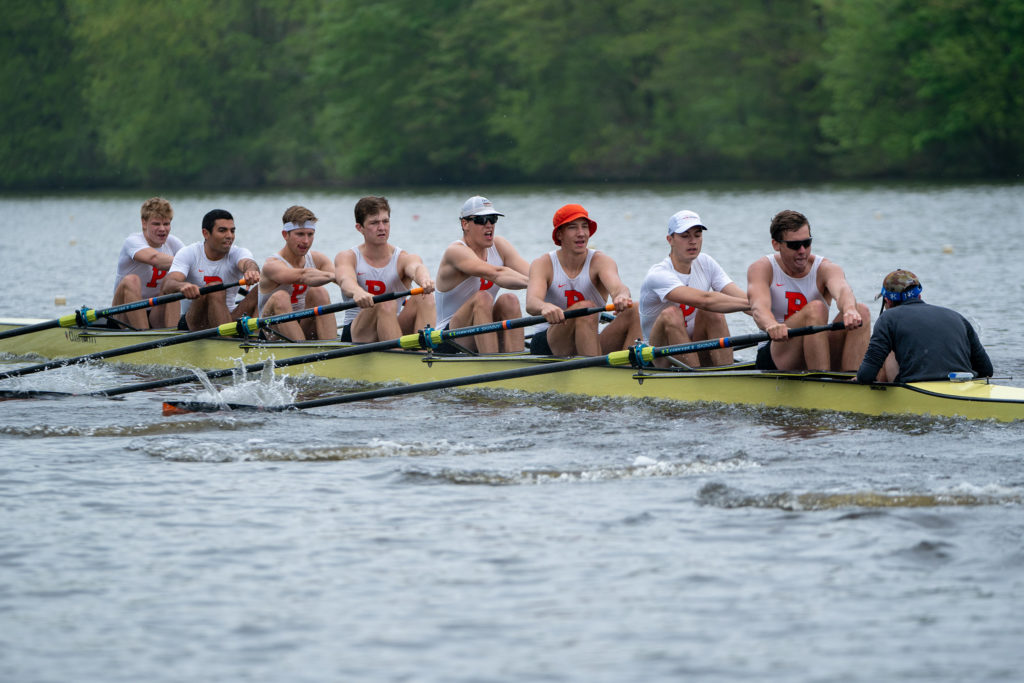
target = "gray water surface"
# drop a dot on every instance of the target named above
(490, 536)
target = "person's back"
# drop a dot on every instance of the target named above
(927, 342)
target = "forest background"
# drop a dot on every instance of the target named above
(277, 93)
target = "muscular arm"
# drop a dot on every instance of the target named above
(835, 285)
(413, 270)
(511, 257)
(607, 274)
(460, 260)
(759, 281)
(283, 274)
(730, 300)
(175, 282)
(153, 257)
(540, 277)
(345, 276)
(250, 271)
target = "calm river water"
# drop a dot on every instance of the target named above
(484, 536)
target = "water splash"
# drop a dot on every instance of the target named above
(265, 388)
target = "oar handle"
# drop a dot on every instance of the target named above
(740, 341)
(438, 336)
(161, 300)
(254, 324)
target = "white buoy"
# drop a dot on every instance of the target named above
(947, 248)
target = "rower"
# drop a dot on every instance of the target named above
(294, 278)
(378, 267)
(916, 342)
(795, 288)
(213, 260)
(576, 276)
(143, 262)
(472, 271)
(685, 297)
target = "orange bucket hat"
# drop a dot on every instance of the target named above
(567, 214)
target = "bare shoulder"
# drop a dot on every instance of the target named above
(761, 269)
(504, 246)
(345, 256)
(320, 260)
(602, 260)
(407, 256)
(541, 266)
(828, 269)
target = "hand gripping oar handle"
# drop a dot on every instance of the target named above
(87, 315)
(240, 327)
(617, 358)
(418, 340)
(649, 353)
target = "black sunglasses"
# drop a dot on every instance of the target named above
(796, 244)
(483, 220)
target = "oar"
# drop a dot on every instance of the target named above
(626, 357)
(416, 340)
(239, 327)
(87, 315)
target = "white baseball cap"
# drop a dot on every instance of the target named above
(683, 221)
(478, 206)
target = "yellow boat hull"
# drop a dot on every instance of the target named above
(799, 390)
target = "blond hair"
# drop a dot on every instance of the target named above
(157, 206)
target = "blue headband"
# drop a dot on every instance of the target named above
(896, 297)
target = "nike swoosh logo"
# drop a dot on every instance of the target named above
(560, 286)
(779, 284)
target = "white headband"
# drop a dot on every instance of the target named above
(308, 225)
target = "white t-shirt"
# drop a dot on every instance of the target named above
(149, 276)
(191, 261)
(705, 275)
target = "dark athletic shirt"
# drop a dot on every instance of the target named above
(929, 342)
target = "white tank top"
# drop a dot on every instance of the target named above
(790, 294)
(296, 291)
(565, 291)
(448, 303)
(383, 280)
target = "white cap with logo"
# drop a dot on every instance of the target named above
(478, 206)
(683, 221)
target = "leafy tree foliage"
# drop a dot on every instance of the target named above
(926, 88)
(286, 92)
(44, 133)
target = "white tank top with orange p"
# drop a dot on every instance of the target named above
(383, 280)
(790, 294)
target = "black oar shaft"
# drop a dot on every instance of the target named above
(410, 341)
(225, 330)
(616, 358)
(86, 316)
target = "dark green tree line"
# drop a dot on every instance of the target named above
(286, 92)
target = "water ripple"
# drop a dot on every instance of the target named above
(720, 495)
